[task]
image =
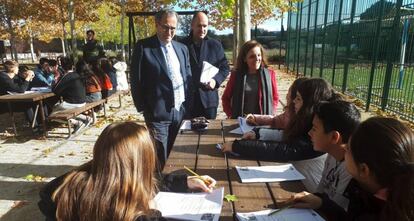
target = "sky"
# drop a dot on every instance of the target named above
(270, 25)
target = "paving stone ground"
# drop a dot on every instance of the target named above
(27, 163)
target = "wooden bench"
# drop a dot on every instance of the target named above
(66, 115)
(119, 95)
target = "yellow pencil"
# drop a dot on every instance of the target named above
(207, 182)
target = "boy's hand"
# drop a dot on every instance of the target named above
(227, 147)
(306, 200)
(249, 135)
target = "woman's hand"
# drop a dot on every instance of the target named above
(227, 147)
(205, 183)
(251, 120)
(306, 200)
(249, 135)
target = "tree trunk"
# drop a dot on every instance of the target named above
(236, 33)
(244, 21)
(72, 29)
(65, 34)
(63, 47)
(122, 28)
(13, 50)
(31, 46)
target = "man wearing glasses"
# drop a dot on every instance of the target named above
(161, 82)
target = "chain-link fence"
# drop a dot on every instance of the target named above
(363, 47)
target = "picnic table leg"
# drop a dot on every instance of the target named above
(42, 116)
(35, 115)
(12, 118)
(120, 101)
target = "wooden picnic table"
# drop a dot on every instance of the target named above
(197, 150)
(34, 97)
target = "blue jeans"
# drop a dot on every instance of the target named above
(164, 134)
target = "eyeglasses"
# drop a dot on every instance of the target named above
(167, 28)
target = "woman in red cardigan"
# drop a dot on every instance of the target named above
(252, 87)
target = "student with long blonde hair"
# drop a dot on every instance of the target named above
(117, 184)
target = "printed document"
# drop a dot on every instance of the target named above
(278, 173)
(208, 72)
(244, 127)
(190, 206)
(288, 214)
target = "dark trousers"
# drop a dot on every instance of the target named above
(198, 110)
(164, 134)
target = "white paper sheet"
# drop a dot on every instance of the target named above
(277, 173)
(41, 89)
(208, 72)
(190, 206)
(26, 92)
(285, 215)
(186, 125)
(243, 126)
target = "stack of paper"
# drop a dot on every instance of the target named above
(190, 206)
(288, 214)
(285, 172)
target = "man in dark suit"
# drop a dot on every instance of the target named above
(161, 82)
(203, 48)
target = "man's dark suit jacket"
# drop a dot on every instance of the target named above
(151, 86)
(211, 51)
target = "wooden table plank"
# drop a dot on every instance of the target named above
(212, 162)
(283, 190)
(30, 97)
(251, 196)
(183, 152)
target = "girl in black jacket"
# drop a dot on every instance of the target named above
(380, 158)
(296, 144)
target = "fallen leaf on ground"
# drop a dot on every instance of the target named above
(35, 178)
(19, 203)
(230, 198)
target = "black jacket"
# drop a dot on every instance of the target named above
(151, 86)
(212, 52)
(299, 149)
(171, 182)
(71, 88)
(13, 85)
(363, 206)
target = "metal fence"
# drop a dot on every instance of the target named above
(364, 48)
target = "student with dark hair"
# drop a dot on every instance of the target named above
(43, 76)
(332, 125)
(91, 81)
(109, 70)
(282, 120)
(295, 144)
(72, 90)
(55, 69)
(118, 184)
(11, 83)
(104, 80)
(380, 158)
